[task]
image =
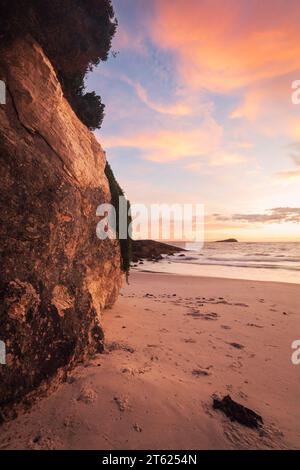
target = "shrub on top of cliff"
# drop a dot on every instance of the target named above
(75, 34)
(117, 191)
(89, 108)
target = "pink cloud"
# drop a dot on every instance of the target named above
(171, 145)
(224, 46)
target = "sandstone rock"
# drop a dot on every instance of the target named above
(56, 275)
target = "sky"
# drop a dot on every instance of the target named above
(199, 110)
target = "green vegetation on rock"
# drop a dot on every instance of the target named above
(125, 244)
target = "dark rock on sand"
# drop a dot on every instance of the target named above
(237, 345)
(237, 412)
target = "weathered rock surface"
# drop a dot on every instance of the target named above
(56, 275)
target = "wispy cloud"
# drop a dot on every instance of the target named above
(176, 109)
(171, 145)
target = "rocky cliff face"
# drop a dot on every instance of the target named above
(56, 275)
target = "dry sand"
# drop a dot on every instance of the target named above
(173, 342)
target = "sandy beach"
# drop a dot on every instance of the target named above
(173, 342)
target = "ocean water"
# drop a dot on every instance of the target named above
(278, 262)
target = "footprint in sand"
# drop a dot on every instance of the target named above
(70, 422)
(122, 403)
(137, 428)
(154, 358)
(116, 346)
(203, 316)
(254, 325)
(87, 395)
(140, 371)
(200, 373)
(43, 440)
(210, 316)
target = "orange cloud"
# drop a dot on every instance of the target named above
(225, 45)
(251, 107)
(217, 158)
(265, 98)
(163, 146)
(268, 108)
(288, 175)
(171, 145)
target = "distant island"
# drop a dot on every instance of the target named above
(228, 240)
